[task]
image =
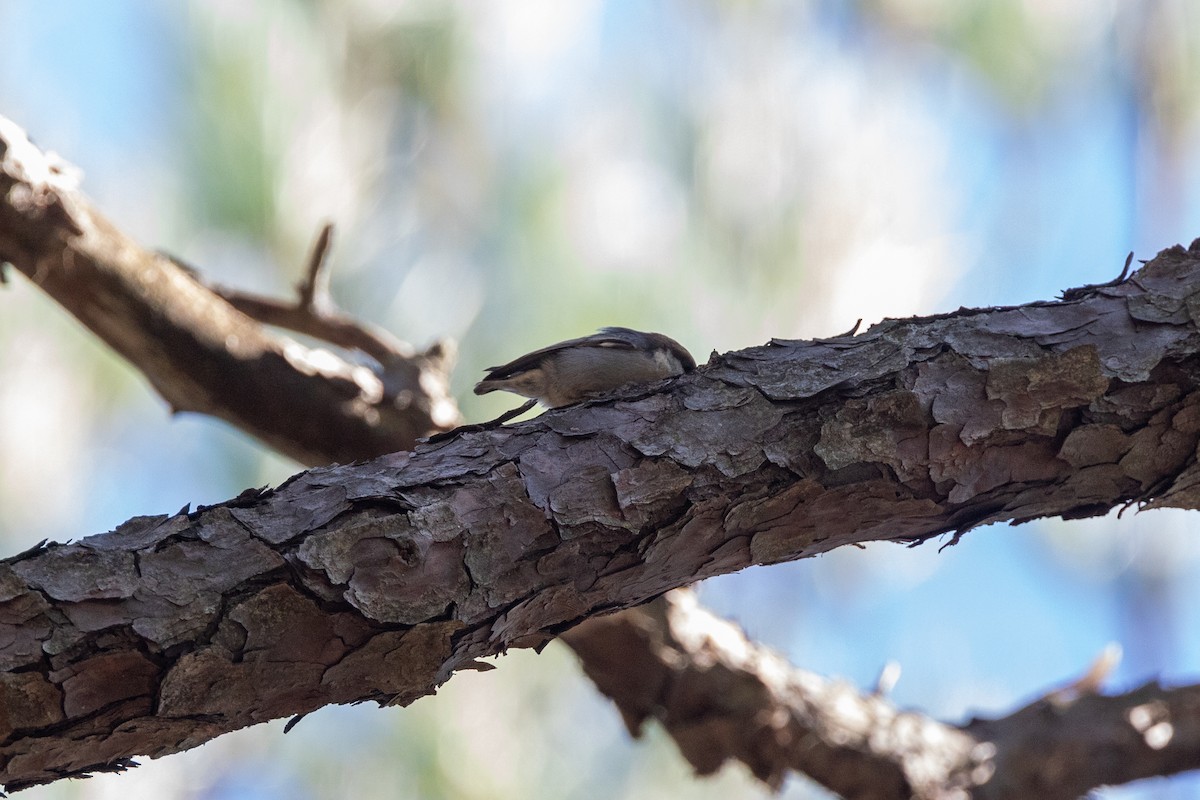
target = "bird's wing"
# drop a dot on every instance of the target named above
(607, 337)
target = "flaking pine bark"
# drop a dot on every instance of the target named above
(377, 580)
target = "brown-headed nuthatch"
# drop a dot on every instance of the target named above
(577, 369)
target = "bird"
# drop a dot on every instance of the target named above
(578, 369)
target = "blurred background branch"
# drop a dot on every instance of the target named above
(722, 697)
(198, 352)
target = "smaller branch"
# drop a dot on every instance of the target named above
(314, 289)
(328, 326)
(888, 677)
(1091, 681)
(490, 425)
(315, 314)
(1080, 292)
(828, 340)
(194, 346)
(723, 697)
(1059, 750)
(334, 329)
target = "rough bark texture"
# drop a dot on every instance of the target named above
(377, 581)
(197, 350)
(722, 697)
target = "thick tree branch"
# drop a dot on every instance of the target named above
(1053, 408)
(378, 580)
(200, 353)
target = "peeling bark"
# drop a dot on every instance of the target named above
(378, 580)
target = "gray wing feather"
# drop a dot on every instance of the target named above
(624, 338)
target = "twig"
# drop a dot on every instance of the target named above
(1090, 681)
(314, 289)
(889, 675)
(1079, 292)
(491, 424)
(827, 340)
(314, 313)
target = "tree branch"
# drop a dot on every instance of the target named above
(315, 314)
(198, 352)
(722, 697)
(376, 582)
